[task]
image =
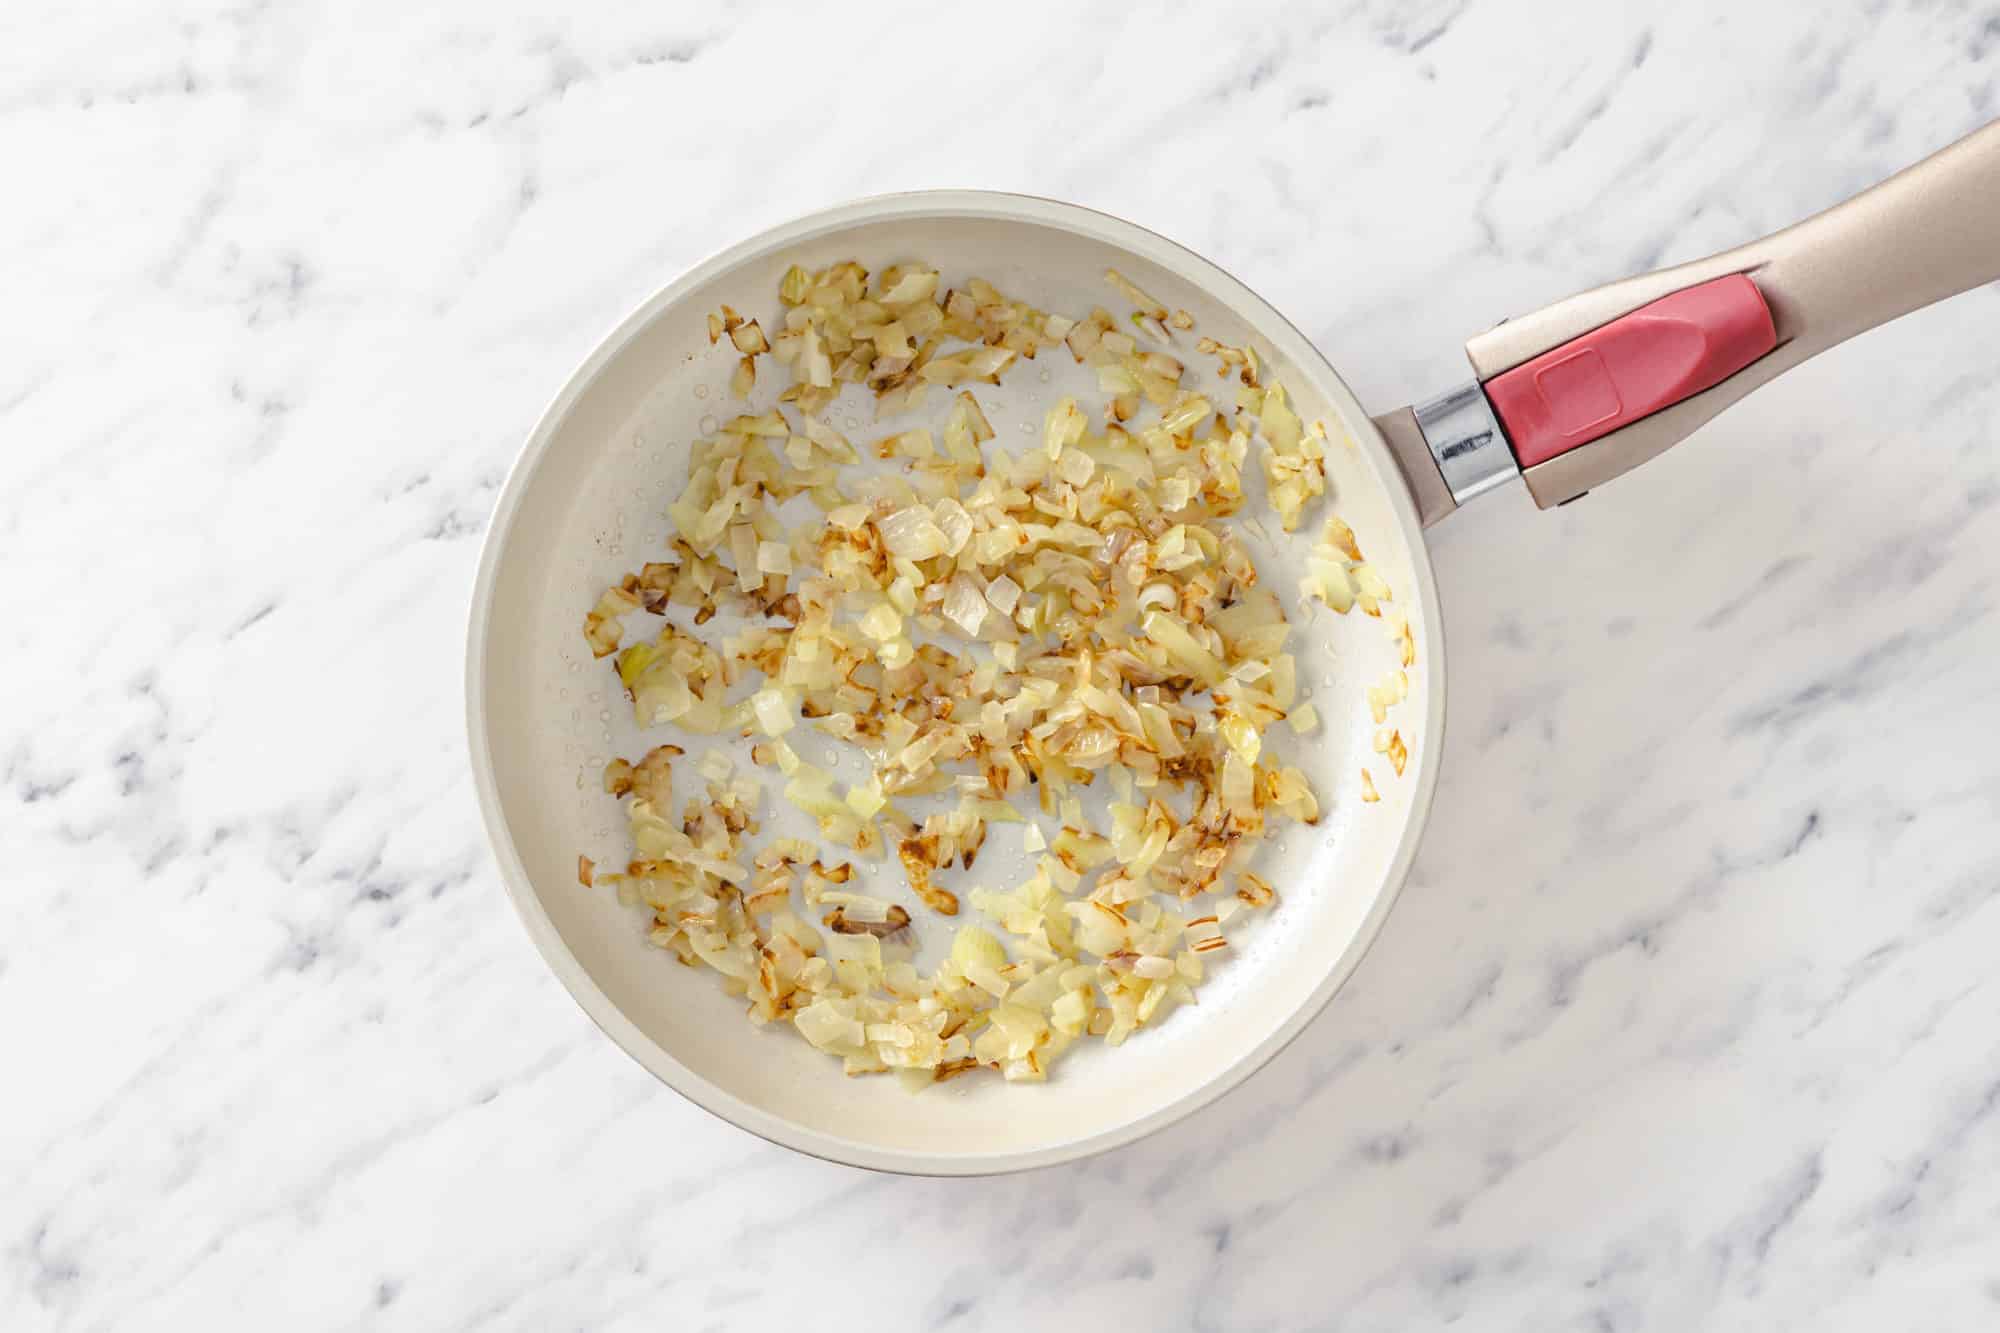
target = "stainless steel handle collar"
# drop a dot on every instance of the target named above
(1465, 439)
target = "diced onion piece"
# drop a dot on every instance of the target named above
(773, 711)
(976, 945)
(1063, 427)
(1131, 292)
(912, 534)
(965, 604)
(867, 800)
(1004, 594)
(954, 523)
(1182, 649)
(1127, 630)
(1240, 734)
(881, 622)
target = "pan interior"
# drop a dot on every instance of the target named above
(587, 504)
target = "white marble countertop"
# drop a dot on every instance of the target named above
(1685, 1020)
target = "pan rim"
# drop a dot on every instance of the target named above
(575, 977)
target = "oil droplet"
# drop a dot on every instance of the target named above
(597, 696)
(575, 667)
(564, 694)
(1283, 848)
(1331, 842)
(850, 423)
(1027, 429)
(604, 716)
(833, 756)
(709, 425)
(701, 391)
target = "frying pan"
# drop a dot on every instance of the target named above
(1563, 399)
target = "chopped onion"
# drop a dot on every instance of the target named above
(1131, 292)
(1126, 631)
(1065, 426)
(912, 534)
(773, 710)
(965, 604)
(1004, 594)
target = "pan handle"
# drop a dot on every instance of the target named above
(1590, 387)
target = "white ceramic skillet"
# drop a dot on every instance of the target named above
(1598, 383)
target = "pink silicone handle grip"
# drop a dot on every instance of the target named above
(1632, 367)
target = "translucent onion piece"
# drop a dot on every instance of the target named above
(1121, 627)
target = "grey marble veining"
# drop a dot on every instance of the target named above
(1686, 1019)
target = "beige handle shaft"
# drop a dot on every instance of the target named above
(1926, 233)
